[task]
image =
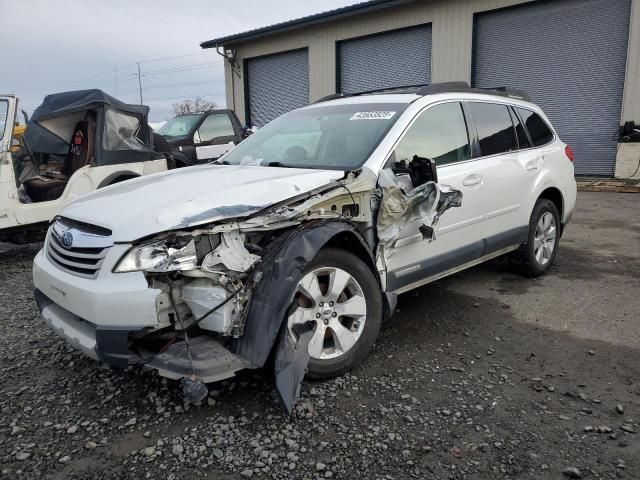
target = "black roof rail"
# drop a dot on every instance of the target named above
(390, 90)
(399, 89)
(507, 92)
(435, 88)
(333, 96)
(443, 87)
(452, 87)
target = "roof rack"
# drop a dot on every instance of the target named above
(507, 92)
(435, 88)
(443, 87)
(391, 90)
(449, 87)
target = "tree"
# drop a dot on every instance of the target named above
(196, 105)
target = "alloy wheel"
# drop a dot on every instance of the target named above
(333, 301)
(544, 241)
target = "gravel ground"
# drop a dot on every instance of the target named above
(485, 375)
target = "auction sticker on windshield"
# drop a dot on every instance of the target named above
(373, 116)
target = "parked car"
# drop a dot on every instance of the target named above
(75, 143)
(201, 137)
(299, 240)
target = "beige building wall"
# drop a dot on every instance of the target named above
(452, 37)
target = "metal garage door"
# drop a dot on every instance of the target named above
(388, 60)
(570, 56)
(276, 84)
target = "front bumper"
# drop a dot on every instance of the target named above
(108, 345)
(97, 315)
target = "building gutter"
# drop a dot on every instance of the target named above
(298, 23)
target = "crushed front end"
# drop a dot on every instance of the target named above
(204, 302)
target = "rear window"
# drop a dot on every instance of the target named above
(495, 128)
(540, 132)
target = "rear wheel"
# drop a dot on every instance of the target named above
(537, 255)
(339, 294)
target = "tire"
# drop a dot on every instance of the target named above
(530, 259)
(340, 341)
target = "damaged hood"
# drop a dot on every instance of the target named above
(191, 196)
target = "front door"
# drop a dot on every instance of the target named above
(215, 136)
(438, 133)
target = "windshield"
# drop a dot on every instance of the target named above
(334, 137)
(179, 126)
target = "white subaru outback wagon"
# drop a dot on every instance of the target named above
(298, 242)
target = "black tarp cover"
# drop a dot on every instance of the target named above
(64, 103)
(40, 140)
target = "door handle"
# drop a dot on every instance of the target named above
(472, 180)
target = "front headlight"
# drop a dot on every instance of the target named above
(159, 257)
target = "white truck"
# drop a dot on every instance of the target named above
(75, 143)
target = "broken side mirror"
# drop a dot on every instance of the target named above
(422, 170)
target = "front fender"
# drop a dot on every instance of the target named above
(274, 281)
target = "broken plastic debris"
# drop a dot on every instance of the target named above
(195, 391)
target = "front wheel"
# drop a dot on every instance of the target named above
(536, 256)
(339, 294)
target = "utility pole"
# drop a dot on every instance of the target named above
(140, 83)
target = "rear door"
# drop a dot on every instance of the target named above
(438, 133)
(505, 174)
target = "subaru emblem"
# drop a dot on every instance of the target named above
(67, 239)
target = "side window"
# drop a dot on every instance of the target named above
(215, 126)
(523, 140)
(439, 133)
(495, 128)
(122, 132)
(540, 132)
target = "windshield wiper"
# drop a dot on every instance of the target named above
(219, 162)
(279, 164)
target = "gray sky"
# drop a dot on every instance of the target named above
(50, 46)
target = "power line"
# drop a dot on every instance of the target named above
(184, 97)
(189, 84)
(173, 58)
(111, 72)
(182, 68)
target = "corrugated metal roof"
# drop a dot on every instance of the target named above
(303, 22)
